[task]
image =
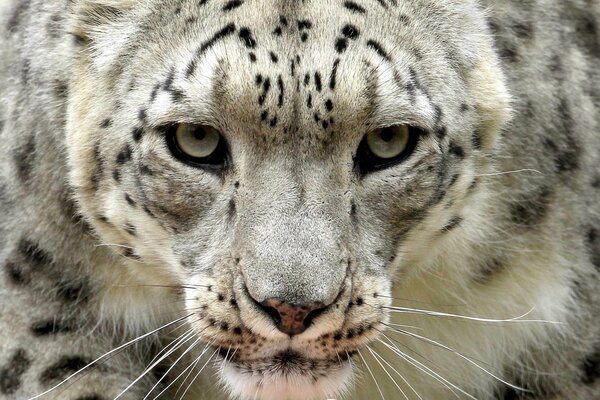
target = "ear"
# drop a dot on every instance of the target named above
(487, 84)
(105, 28)
(88, 17)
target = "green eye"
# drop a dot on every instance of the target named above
(388, 143)
(197, 145)
(386, 147)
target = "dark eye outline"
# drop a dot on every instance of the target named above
(215, 162)
(366, 162)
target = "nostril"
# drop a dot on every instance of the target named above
(312, 315)
(291, 319)
(272, 312)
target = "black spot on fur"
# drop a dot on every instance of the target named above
(452, 224)
(130, 201)
(354, 7)
(281, 91)
(530, 211)
(273, 57)
(265, 92)
(12, 372)
(124, 155)
(247, 38)
(24, 159)
(232, 209)
(227, 30)
(333, 76)
(51, 327)
(350, 32)
(379, 49)
(252, 57)
(341, 44)
(142, 115)
(130, 229)
(17, 15)
(318, 83)
(33, 253)
(106, 123)
(329, 105)
(73, 292)
(591, 368)
(233, 4)
(16, 275)
(64, 367)
(523, 30)
(137, 133)
(456, 150)
(476, 140)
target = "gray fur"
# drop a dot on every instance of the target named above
(97, 214)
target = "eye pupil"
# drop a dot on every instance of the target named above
(199, 134)
(386, 135)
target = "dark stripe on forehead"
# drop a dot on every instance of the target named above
(220, 35)
(379, 49)
(383, 4)
(233, 4)
(333, 77)
(354, 7)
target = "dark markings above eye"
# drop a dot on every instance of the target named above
(350, 32)
(379, 49)
(124, 155)
(304, 24)
(232, 5)
(333, 77)
(266, 88)
(341, 44)
(247, 38)
(383, 3)
(281, 91)
(354, 7)
(318, 83)
(221, 34)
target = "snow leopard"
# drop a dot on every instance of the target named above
(304, 199)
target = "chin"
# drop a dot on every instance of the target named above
(286, 376)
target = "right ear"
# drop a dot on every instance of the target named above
(88, 17)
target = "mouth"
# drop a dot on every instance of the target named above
(287, 375)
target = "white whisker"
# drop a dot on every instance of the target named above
(464, 357)
(199, 372)
(188, 337)
(372, 376)
(192, 346)
(108, 354)
(518, 319)
(387, 373)
(400, 375)
(428, 371)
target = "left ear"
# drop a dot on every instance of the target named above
(103, 27)
(486, 84)
(89, 16)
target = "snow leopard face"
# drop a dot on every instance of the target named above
(283, 163)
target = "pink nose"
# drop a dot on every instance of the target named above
(291, 319)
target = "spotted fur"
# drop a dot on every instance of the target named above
(105, 236)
